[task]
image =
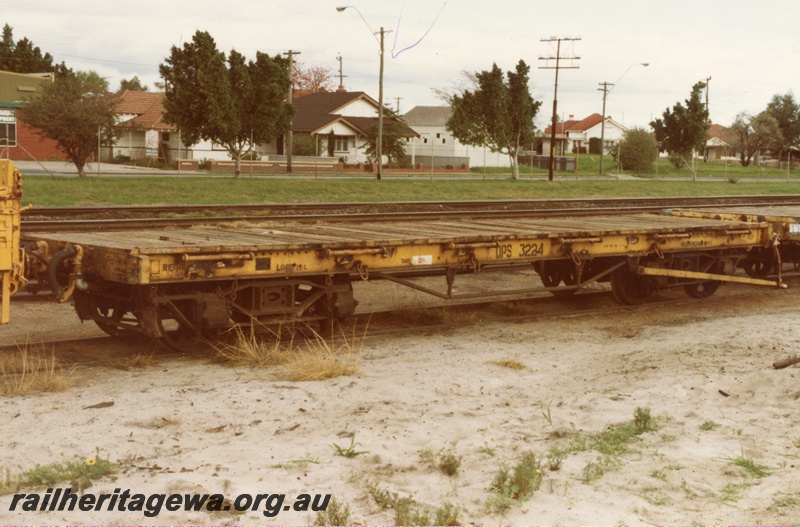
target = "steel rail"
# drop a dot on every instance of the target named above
(421, 206)
(34, 226)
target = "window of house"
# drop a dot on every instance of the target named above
(443, 140)
(425, 140)
(340, 143)
(8, 134)
(165, 137)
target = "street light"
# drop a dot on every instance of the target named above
(379, 142)
(606, 90)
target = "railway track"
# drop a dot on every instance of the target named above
(390, 323)
(64, 219)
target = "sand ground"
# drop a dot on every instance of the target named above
(702, 368)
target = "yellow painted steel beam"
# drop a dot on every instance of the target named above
(694, 275)
(11, 260)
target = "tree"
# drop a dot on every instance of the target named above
(229, 101)
(497, 113)
(786, 112)
(754, 134)
(133, 84)
(637, 150)
(393, 146)
(684, 130)
(72, 111)
(312, 79)
(305, 145)
(24, 57)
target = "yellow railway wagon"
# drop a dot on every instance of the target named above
(784, 222)
(188, 284)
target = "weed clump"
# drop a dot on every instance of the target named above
(446, 462)
(514, 484)
(79, 472)
(337, 513)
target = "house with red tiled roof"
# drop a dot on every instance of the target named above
(719, 145)
(343, 120)
(572, 136)
(140, 118)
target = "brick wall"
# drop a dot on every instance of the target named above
(38, 148)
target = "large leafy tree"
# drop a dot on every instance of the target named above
(786, 112)
(73, 111)
(231, 101)
(755, 134)
(683, 130)
(24, 57)
(133, 84)
(497, 113)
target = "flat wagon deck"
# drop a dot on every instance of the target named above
(181, 285)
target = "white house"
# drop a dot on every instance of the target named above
(343, 120)
(572, 136)
(435, 146)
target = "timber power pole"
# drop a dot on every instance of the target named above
(341, 73)
(558, 58)
(290, 136)
(605, 89)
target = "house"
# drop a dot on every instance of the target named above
(142, 130)
(435, 146)
(18, 140)
(572, 136)
(343, 121)
(719, 143)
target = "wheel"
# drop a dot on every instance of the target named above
(177, 327)
(630, 288)
(758, 268)
(107, 313)
(702, 289)
(552, 274)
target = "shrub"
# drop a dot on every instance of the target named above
(637, 150)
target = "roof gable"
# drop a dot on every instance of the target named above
(582, 125)
(147, 107)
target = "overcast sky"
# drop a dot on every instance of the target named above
(751, 50)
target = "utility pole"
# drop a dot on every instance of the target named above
(398, 99)
(341, 75)
(705, 150)
(379, 145)
(605, 89)
(558, 58)
(289, 136)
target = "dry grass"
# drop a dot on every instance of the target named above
(29, 371)
(511, 364)
(313, 359)
(318, 359)
(252, 350)
(142, 360)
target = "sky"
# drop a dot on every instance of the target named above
(750, 50)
